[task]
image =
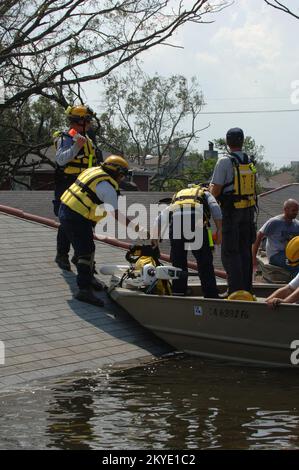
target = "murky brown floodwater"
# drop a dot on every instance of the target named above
(180, 404)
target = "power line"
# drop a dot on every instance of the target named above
(250, 98)
(252, 112)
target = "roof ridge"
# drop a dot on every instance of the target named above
(277, 189)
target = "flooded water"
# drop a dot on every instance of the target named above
(183, 403)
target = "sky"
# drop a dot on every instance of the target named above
(247, 60)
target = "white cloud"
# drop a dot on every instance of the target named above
(253, 43)
(207, 58)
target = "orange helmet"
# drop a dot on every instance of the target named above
(79, 113)
(116, 164)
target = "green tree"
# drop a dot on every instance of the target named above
(152, 116)
(47, 46)
(26, 134)
(200, 173)
(50, 48)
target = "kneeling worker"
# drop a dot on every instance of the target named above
(82, 205)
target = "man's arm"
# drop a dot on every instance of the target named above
(283, 295)
(120, 217)
(68, 150)
(215, 189)
(256, 245)
(216, 215)
(218, 223)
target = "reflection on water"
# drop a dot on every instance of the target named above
(178, 404)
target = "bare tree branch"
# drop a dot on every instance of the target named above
(282, 7)
(48, 45)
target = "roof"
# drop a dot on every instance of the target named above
(45, 330)
(268, 183)
(39, 203)
(286, 177)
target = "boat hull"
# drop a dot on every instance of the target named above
(239, 331)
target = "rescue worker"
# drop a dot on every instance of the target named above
(83, 205)
(75, 152)
(184, 205)
(234, 184)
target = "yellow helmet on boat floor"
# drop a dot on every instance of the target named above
(292, 252)
(242, 295)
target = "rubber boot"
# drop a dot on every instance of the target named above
(96, 284)
(86, 295)
(63, 262)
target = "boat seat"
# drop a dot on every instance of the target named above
(271, 273)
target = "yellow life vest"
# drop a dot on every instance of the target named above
(81, 196)
(77, 165)
(192, 196)
(244, 183)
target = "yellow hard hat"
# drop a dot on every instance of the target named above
(116, 164)
(79, 113)
(292, 252)
(242, 295)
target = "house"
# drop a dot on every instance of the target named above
(41, 177)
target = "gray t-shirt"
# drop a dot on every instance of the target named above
(278, 232)
(224, 172)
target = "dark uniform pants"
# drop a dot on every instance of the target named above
(62, 183)
(204, 259)
(238, 234)
(79, 232)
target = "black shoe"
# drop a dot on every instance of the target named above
(223, 295)
(63, 262)
(96, 284)
(86, 295)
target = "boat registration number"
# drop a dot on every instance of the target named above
(241, 314)
(222, 312)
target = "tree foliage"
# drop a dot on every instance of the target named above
(47, 46)
(26, 134)
(50, 48)
(152, 116)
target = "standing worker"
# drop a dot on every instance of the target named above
(184, 204)
(75, 152)
(234, 185)
(85, 203)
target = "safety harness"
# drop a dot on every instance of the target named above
(81, 196)
(193, 196)
(77, 165)
(244, 193)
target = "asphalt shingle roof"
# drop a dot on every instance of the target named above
(40, 203)
(46, 331)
